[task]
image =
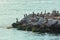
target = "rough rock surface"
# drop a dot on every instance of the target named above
(36, 23)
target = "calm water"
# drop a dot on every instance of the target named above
(12, 9)
(13, 34)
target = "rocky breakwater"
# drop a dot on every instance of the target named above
(38, 23)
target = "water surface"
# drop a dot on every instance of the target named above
(12, 9)
(13, 34)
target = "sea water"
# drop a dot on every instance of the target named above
(12, 9)
(13, 34)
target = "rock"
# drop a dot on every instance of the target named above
(38, 24)
(9, 27)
